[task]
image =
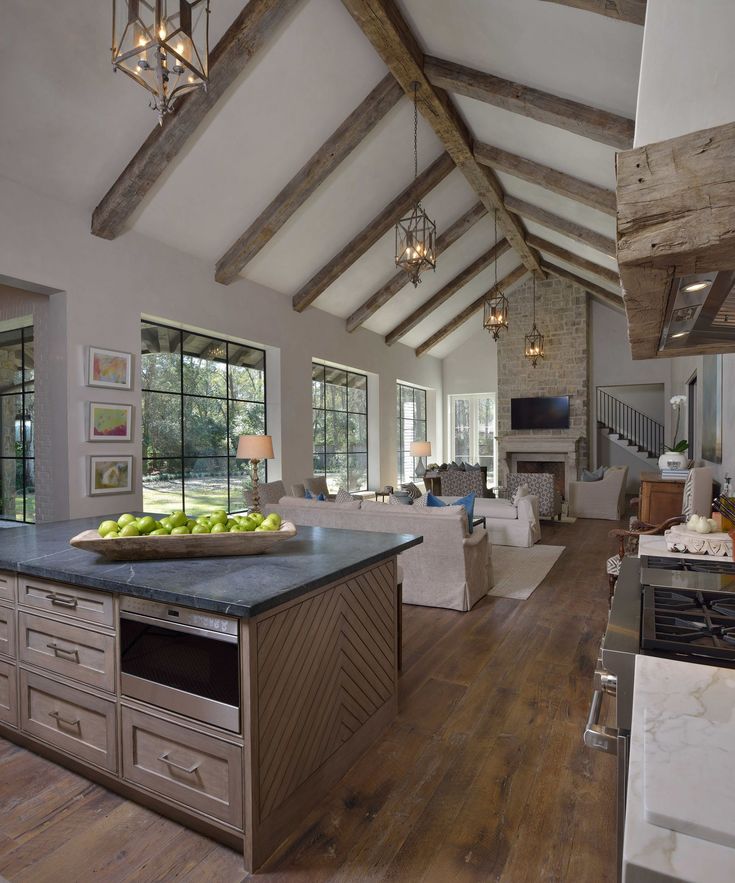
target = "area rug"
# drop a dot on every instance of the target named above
(518, 572)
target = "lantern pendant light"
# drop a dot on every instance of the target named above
(495, 315)
(163, 45)
(416, 234)
(534, 341)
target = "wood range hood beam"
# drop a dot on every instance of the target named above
(452, 287)
(400, 279)
(567, 228)
(310, 176)
(676, 217)
(633, 11)
(569, 257)
(597, 291)
(242, 41)
(385, 28)
(551, 179)
(370, 234)
(581, 119)
(504, 284)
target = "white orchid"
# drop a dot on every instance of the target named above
(678, 401)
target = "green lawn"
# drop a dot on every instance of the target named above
(202, 495)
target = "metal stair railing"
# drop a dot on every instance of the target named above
(632, 426)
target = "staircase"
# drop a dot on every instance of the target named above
(630, 429)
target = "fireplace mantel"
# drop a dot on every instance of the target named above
(512, 448)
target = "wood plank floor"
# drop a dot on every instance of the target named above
(483, 776)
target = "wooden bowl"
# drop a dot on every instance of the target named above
(200, 545)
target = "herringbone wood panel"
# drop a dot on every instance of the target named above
(325, 667)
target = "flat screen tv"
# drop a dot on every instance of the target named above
(548, 412)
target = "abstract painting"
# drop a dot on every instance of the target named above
(712, 409)
(110, 475)
(109, 369)
(108, 422)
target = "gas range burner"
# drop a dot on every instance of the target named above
(691, 565)
(689, 623)
(685, 574)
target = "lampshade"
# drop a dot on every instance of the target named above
(421, 449)
(255, 447)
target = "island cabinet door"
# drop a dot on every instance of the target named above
(7, 631)
(8, 695)
(86, 605)
(7, 586)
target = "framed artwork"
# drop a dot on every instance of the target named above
(109, 369)
(110, 475)
(109, 422)
(712, 408)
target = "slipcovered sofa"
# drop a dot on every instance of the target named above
(451, 568)
(508, 523)
(600, 499)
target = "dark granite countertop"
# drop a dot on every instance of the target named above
(240, 586)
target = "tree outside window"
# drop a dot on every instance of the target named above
(411, 403)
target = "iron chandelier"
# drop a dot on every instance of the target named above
(533, 347)
(495, 311)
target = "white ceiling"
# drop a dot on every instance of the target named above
(71, 135)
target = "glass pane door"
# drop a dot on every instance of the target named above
(472, 431)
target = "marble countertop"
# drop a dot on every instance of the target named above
(239, 586)
(665, 689)
(656, 545)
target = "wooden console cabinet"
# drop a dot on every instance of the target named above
(661, 498)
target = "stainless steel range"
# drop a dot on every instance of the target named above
(673, 607)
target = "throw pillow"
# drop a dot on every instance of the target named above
(593, 474)
(521, 492)
(400, 499)
(321, 498)
(343, 496)
(412, 490)
(308, 495)
(431, 500)
(468, 502)
(421, 502)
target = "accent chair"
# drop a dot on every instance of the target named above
(600, 499)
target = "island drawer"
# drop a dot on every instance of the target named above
(78, 653)
(7, 630)
(76, 722)
(7, 586)
(83, 604)
(199, 771)
(8, 695)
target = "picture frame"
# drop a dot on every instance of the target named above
(110, 422)
(110, 475)
(109, 369)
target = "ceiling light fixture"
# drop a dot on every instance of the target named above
(416, 234)
(696, 286)
(163, 45)
(495, 310)
(679, 334)
(534, 341)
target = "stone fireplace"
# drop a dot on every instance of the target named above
(534, 453)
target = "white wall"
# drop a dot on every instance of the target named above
(648, 398)
(109, 285)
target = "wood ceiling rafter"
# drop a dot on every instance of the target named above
(383, 25)
(242, 41)
(572, 229)
(597, 291)
(573, 116)
(570, 257)
(633, 11)
(504, 284)
(398, 281)
(371, 233)
(452, 287)
(550, 179)
(310, 176)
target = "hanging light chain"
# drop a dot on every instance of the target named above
(415, 130)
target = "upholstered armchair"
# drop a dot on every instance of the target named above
(460, 482)
(270, 492)
(542, 486)
(600, 499)
(697, 501)
(318, 485)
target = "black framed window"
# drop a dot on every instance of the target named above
(200, 393)
(340, 431)
(17, 408)
(411, 404)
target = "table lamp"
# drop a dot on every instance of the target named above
(255, 448)
(420, 449)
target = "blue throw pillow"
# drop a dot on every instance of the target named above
(307, 495)
(431, 500)
(468, 502)
(593, 474)
(321, 498)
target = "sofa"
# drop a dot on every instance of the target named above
(268, 491)
(508, 523)
(451, 568)
(600, 499)
(542, 486)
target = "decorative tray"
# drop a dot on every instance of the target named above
(203, 545)
(681, 539)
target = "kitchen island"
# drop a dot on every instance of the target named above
(281, 670)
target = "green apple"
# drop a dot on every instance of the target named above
(180, 530)
(127, 518)
(219, 516)
(159, 532)
(111, 535)
(146, 524)
(274, 519)
(218, 528)
(107, 527)
(178, 518)
(236, 529)
(200, 528)
(130, 530)
(257, 517)
(167, 523)
(248, 524)
(205, 520)
(230, 523)
(158, 525)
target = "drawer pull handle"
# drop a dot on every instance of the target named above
(182, 769)
(62, 600)
(62, 720)
(63, 652)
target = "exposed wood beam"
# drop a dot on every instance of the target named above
(436, 300)
(633, 11)
(237, 48)
(505, 283)
(383, 25)
(400, 279)
(314, 172)
(531, 212)
(601, 294)
(551, 179)
(368, 236)
(569, 257)
(589, 122)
